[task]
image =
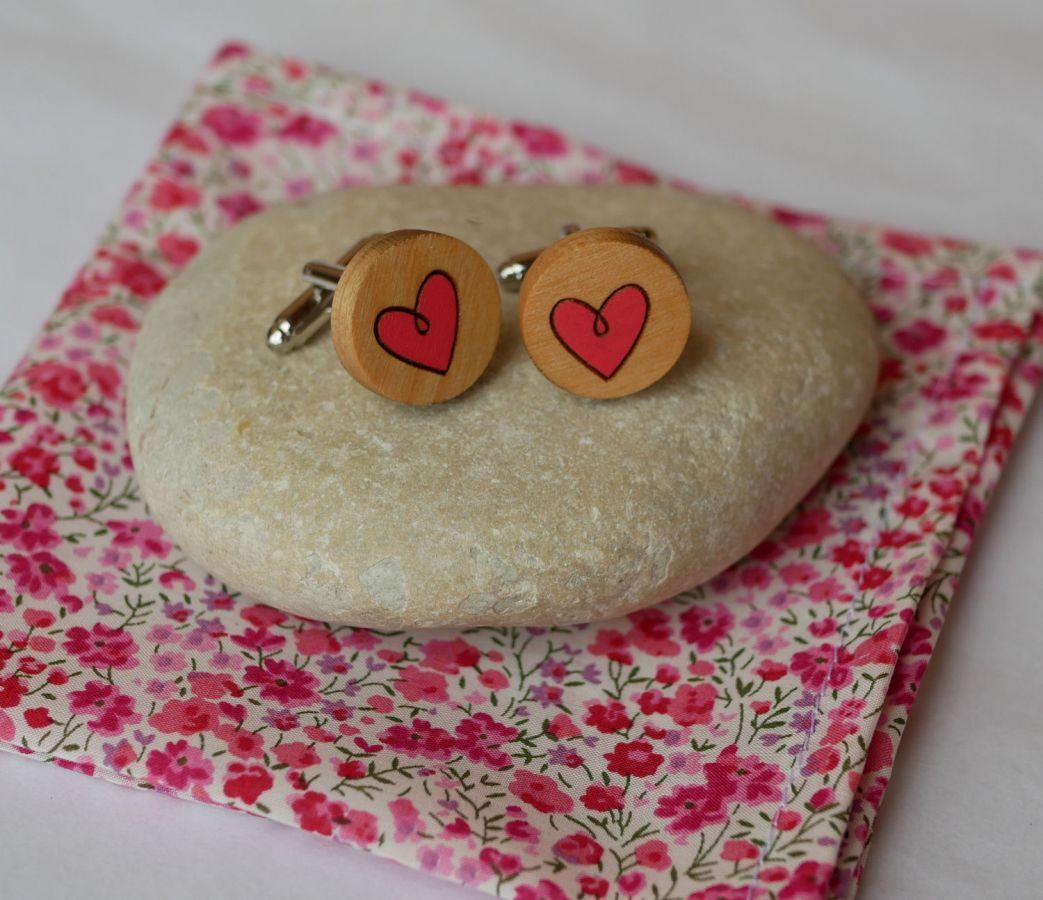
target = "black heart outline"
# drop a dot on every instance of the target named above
(600, 318)
(420, 317)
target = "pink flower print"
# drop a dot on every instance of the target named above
(239, 205)
(493, 679)
(907, 244)
(613, 644)
(472, 871)
(578, 849)
(823, 664)
(169, 195)
(358, 827)
(297, 755)
(35, 464)
(797, 573)
(119, 756)
(704, 626)
(169, 661)
(175, 579)
(692, 807)
(540, 791)
(160, 689)
(185, 717)
(693, 704)
(283, 683)
(600, 798)
(247, 782)
(112, 710)
(809, 527)
(306, 129)
(880, 648)
(756, 781)
(316, 812)
(523, 831)
(630, 173)
(920, 336)
(56, 384)
(653, 633)
(407, 819)
(178, 250)
(953, 386)
(723, 891)
(999, 330)
(809, 881)
(313, 641)
(29, 529)
(360, 639)
(419, 686)
(449, 657)
(162, 633)
(757, 620)
(481, 738)
(101, 582)
(537, 141)
(827, 589)
(755, 576)
(11, 690)
(634, 758)
(107, 378)
(299, 187)
(421, 738)
(178, 766)
(631, 884)
(437, 859)
(232, 124)
(212, 685)
(138, 277)
(653, 854)
(259, 639)
(102, 647)
(820, 761)
(545, 889)
(607, 717)
(115, 558)
(139, 534)
(241, 743)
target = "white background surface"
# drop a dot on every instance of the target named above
(922, 114)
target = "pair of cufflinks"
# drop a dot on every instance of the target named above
(415, 315)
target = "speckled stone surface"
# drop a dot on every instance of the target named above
(517, 502)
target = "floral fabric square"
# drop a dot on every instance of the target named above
(734, 742)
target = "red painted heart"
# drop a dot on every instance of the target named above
(424, 336)
(602, 338)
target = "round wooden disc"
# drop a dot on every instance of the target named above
(604, 313)
(416, 316)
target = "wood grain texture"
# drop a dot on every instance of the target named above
(604, 313)
(416, 316)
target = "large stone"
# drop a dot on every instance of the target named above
(516, 503)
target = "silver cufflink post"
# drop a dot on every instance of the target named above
(299, 322)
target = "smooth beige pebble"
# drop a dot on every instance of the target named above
(516, 502)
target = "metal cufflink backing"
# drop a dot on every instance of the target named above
(299, 322)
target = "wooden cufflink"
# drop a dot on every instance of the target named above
(415, 315)
(603, 311)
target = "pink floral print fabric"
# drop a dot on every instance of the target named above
(734, 742)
